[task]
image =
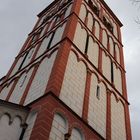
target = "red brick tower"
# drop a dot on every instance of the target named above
(68, 81)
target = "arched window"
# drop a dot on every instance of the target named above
(59, 127)
(76, 134)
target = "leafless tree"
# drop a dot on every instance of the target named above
(137, 4)
(135, 1)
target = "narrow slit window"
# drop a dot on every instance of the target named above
(50, 42)
(86, 47)
(98, 92)
(23, 61)
(112, 73)
(114, 50)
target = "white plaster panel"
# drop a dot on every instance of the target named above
(43, 46)
(117, 53)
(118, 130)
(111, 43)
(93, 52)
(82, 13)
(20, 87)
(68, 11)
(59, 128)
(58, 34)
(90, 22)
(73, 87)
(5, 91)
(40, 81)
(76, 135)
(105, 39)
(117, 78)
(80, 38)
(30, 122)
(17, 65)
(97, 107)
(106, 66)
(10, 131)
(97, 29)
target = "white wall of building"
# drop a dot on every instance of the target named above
(20, 87)
(10, 131)
(97, 107)
(73, 87)
(117, 120)
(41, 78)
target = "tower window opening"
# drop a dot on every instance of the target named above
(47, 18)
(93, 7)
(108, 24)
(98, 92)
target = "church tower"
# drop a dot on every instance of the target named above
(68, 80)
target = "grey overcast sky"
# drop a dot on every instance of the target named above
(17, 19)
